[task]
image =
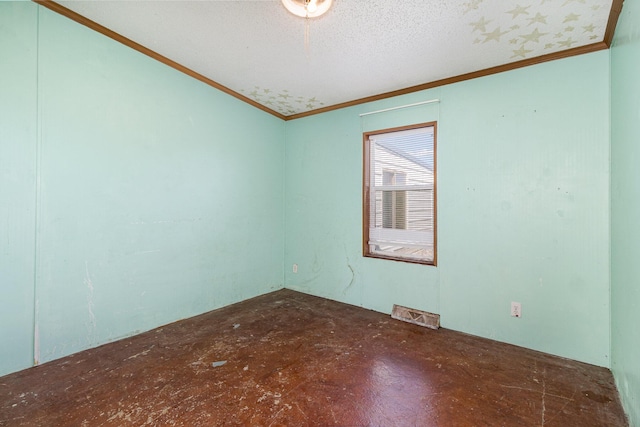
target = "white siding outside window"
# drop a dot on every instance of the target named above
(402, 194)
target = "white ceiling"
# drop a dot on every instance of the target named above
(358, 49)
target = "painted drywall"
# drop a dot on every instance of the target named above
(324, 215)
(158, 197)
(523, 208)
(625, 208)
(18, 59)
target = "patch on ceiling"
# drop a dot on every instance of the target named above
(538, 27)
(282, 101)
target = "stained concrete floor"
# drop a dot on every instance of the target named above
(297, 360)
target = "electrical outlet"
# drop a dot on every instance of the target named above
(516, 309)
(295, 268)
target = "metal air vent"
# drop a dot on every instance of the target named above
(417, 317)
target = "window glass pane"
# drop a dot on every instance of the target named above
(402, 194)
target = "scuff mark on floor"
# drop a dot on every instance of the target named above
(142, 353)
(569, 400)
(536, 391)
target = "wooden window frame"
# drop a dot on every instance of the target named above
(366, 194)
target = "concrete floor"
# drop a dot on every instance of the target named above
(297, 360)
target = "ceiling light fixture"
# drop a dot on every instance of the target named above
(307, 8)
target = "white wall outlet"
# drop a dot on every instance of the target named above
(295, 268)
(516, 309)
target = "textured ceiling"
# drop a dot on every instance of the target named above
(359, 49)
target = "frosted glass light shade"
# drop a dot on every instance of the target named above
(307, 8)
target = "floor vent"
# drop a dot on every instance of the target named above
(417, 317)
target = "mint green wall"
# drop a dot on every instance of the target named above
(524, 167)
(324, 215)
(625, 208)
(159, 198)
(142, 196)
(523, 208)
(18, 58)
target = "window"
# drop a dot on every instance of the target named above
(400, 194)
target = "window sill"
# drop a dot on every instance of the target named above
(399, 259)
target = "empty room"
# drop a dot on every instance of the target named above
(320, 212)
